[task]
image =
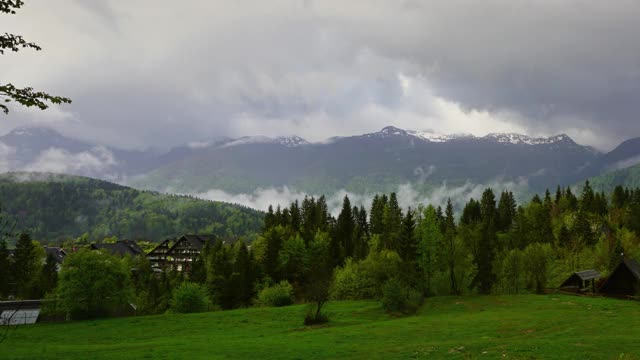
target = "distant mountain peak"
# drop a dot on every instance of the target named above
(518, 139)
(291, 141)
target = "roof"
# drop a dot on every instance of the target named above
(58, 253)
(19, 317)
(162, 248)
(633, 266)
(122, 248)
(588, 274)
(198, 241)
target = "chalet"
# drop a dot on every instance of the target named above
(120, 248)
(158, 256)
(581, 281)
(58, 254)
(624, 280)
(186, 250)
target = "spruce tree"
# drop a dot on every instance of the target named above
(24, 265)
(408, 241)
(485, 276)
(5, 271)
(48, 277)
(392, 223)
(342, 245)
(361, 246)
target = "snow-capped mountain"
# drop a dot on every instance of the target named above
(378, 161)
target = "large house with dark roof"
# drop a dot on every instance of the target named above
(624, 280)
(181, 254)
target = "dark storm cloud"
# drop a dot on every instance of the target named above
(153, 72)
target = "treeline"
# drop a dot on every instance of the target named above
(399, 256)
(53, 211)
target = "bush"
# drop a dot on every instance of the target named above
(190, 298)
(92, 284)
(364, 279)
(276, 295)
(400, 298)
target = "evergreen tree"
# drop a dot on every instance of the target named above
(485, 276)
(296, 216)
(471, 213)
(244, 276)
(506, 210)
(587, 198)
(392, 223)
(450, 249)
(619, 197)
(377, 214)
(342, 245)
(361, 246)
(269, 219)
(408, 241)
(558, 195)
(48, 277)
(24, 266)
(5, 271)
(429, 246)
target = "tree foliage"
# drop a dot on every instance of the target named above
(26, 96)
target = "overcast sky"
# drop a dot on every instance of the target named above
(159, 73)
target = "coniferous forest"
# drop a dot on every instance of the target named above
(55, 208)
(399, 256)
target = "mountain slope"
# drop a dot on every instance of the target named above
(628, 177)
(43, 149)
(376, 162)
(53, 207)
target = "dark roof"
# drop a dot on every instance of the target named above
(633, 266)
(198, 241)
(163, 245)
(58, 253)
(122, 248)
(588, 274)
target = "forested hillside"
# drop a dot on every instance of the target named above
(628, 177)
(55, 207)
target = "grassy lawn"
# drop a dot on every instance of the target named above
(491, 327)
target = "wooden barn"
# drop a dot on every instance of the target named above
(624, 280)
(581, 281)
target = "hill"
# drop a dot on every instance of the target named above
(628, 177)
(55, 207)
(514, 327)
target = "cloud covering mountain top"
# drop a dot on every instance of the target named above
(147, 73)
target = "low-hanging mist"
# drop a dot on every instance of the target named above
(408, 195)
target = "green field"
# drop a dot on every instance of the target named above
(490, 327)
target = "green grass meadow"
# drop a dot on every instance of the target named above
(483, 327)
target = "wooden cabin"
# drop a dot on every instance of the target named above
(581, 281)
(624, 280)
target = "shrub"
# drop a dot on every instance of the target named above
(190, 298)
(400, 298)
(276, 295)
(364, 279)
(92, 284)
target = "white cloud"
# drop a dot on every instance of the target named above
(408, 195)
(159, 72)
(96, 161)
(6, 153)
